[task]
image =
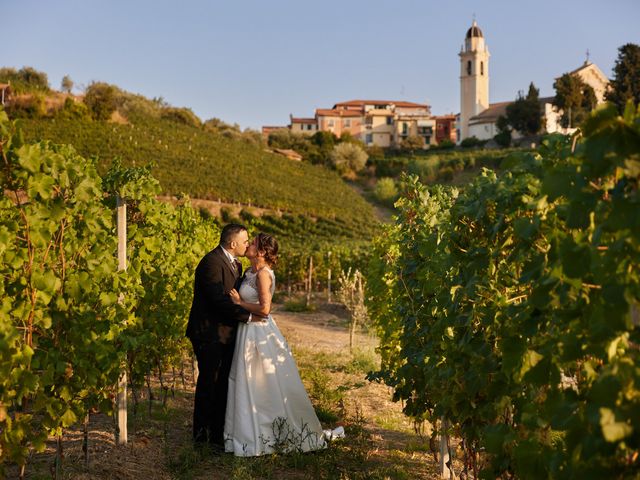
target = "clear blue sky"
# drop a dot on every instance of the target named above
(254, 62)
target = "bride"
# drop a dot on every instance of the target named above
(268, 409)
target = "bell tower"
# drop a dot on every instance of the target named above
(474, 78)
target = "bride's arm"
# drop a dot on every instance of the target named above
(263, 284)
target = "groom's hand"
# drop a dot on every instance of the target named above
(224, 333)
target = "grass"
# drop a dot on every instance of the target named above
(380, 442)
(298, 306)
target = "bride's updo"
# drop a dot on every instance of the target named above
(268, 246)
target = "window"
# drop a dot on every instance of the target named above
(481, 68)
(330, 123)
(347, 122)
(369, 139)
(389, 120)
(468, 67)
(405, 128)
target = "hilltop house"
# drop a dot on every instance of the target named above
(384, 123)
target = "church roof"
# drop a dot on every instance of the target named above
(474, 31)
(589, 66)
(491, 114)
(495, 110)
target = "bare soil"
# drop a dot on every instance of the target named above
(381, 443)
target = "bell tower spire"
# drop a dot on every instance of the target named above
(474, 77)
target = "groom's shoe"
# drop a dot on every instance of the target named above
(216, 448)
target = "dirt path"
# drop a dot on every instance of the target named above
(381, 442)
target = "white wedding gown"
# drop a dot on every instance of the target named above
(268, 409)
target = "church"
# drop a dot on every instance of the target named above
(478, 117)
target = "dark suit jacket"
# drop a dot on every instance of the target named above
(214, 317)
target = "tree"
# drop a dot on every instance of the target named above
(625, 84)
(575, 98)
(101, 99)
(67, 84)
(413, 142)
(525, 115)
(348, 158)
(25, 80)
(503, 137)
(184, 116)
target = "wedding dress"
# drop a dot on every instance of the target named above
(268, 409)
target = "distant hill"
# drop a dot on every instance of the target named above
(208, 161)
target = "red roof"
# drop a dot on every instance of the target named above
(445, 117)
(397, 103)
(303, 120)
(325, 112)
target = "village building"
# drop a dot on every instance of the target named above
(383, 123)
(478, 117)
(304, 126)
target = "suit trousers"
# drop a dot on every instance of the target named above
(214, 364)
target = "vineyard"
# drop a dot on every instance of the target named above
(188, 160)
(314, 211)
(70, 322)
(508, 312)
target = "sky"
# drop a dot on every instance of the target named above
(255, 62)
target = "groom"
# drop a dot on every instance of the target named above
(212, 326)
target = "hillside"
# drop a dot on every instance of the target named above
(207, 165)
(208, 160)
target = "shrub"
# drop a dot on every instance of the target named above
(181, 115)
(503, 138)
(386, 190)
(471, 142)
(25, 80)
(412, 142)
(28, 106)
(101, 100)
(73, 110)
(446, 174)
(445, 144)
(348, 158)
(426, 168)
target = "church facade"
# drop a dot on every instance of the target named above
(478, 116)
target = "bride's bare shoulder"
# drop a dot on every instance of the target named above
(264, 275)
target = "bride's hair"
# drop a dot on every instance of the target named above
(269, 246)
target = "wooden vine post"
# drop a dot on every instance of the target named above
(445, 471)
(309, 280)
(121, 399)
(329, 277)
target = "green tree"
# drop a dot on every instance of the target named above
(184, 116)
(575, 98)
(348, 158)
(101, 99)
(625, 84)
(413, 142)
(524, 115)
(67, 84)
(503, 137)
(25, 80)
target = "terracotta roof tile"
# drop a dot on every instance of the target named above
(303, 120)
(326, 112)
(495, 110)
(397, 103)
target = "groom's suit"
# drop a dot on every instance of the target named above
(212, 327)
